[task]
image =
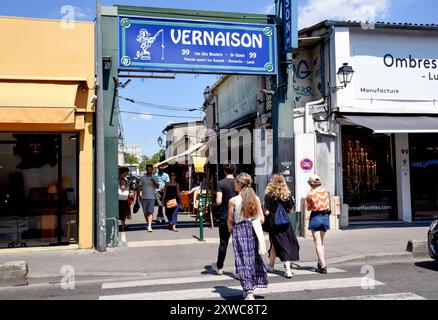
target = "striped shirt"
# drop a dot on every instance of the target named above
(318, 200)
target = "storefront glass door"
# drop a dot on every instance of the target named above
(424, 175)
(369, 178)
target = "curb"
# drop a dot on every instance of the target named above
(373, 258)
(418, 248)
(13, 274)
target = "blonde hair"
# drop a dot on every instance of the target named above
(249, 197)
(278, 188)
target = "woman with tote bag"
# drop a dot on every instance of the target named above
(242, 210)
(284, 243)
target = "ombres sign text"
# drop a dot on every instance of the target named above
(390, 61)
(196, 46)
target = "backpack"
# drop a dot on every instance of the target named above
(281, 217)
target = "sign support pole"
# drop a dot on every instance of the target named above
(100, 148)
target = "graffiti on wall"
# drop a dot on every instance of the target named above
(307, 77)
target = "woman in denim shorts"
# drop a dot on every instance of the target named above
(318, 202)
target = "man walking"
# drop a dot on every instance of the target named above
(225, 191)
(163, 178)
(147, 185)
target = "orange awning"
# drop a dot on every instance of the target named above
(39, 103)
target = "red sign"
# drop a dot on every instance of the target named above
(306, 164)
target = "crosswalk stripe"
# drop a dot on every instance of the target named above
(390, 296)
(195, 279)
(218, 292)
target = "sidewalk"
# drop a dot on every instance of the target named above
(165, 252)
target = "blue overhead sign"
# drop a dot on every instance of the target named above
(290, 24)
(197, 46)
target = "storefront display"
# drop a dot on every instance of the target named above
(369, 174)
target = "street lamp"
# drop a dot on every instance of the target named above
(120, 139)
(345, 74)
(160, 141)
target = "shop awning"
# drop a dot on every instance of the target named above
(396, 123)
(189, 151)
(38, 103)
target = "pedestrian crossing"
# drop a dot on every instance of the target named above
(225, 287)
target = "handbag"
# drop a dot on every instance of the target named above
(281, 217)
(171, 204)
(136, 207)
(123, 195)
(257, 226)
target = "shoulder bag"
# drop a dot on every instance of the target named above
(281, 217)
(171, 204)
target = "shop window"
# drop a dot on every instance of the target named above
(424, 175)
(368, 174)
(38, 189)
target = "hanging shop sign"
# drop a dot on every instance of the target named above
(196, 46)
(290, 24)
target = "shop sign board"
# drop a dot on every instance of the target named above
(171, 45)
(404, 69)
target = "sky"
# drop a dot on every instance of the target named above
(186, 90)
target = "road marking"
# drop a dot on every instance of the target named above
(166, 243)
(391, 296)
(223, 292)
(196, 279)
(123, 238)
(174, 242)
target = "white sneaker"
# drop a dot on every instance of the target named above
(250, 296)
(288, 274)
(149, 229)
(270, 269)
(216, 270)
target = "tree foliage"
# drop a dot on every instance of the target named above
(145, 160)
(130, 159)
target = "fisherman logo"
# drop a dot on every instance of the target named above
(146, 40)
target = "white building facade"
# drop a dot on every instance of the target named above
(133, 149)
(375, 142)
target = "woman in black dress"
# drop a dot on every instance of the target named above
(171, 198)
(284, 243)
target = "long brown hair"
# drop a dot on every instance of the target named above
(278, 188)
(249, 197)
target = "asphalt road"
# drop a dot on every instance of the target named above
(387, 281)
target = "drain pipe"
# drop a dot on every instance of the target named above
(306, 113)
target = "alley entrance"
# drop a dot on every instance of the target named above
(152, 42)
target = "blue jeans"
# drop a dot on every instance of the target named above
(172, 215)
(319, 222)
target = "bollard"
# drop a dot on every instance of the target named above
(201, 218)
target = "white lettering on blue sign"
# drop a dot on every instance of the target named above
(290, 24)
(216, 39)
(210, 47)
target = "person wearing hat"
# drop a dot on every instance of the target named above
(318, 202)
